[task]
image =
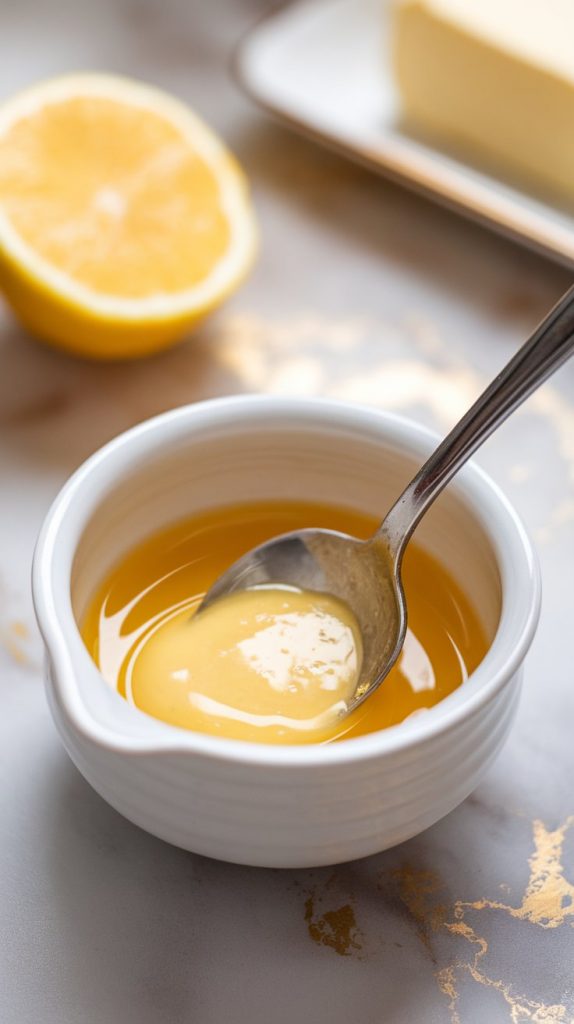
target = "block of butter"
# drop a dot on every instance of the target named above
(494, 76)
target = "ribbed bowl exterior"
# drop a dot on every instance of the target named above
(300, 816)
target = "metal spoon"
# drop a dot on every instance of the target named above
(367, 574)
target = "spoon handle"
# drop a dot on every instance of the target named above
(551, 345)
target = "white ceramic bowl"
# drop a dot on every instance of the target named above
(259, 804)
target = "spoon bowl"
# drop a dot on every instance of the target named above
(356, 571)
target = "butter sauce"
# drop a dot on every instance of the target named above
(272, 664)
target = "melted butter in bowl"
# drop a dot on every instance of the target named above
(112, 562)
(272, 665)
(266, 663)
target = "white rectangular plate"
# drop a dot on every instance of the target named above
(321, 65)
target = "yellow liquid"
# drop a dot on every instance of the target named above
(276, 661)
(138, 622)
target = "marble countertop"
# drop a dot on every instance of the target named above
(366, 292)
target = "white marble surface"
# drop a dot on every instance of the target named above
(361, 291)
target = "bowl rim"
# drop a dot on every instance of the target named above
(521, 588)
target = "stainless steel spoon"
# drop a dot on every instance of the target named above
(367, 574)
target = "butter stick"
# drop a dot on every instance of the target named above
(495, 77)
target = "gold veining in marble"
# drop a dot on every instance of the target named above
(281, 356)
(447, 985)
(403, 367)
(14, 633)
(13, 637)
(549, 897)
(418, 890)
(521, 1009)
(547, 902)
(289, 356)
(336, 927)
(329, 913)
(407, 384)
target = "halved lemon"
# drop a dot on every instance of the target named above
(123, 218)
